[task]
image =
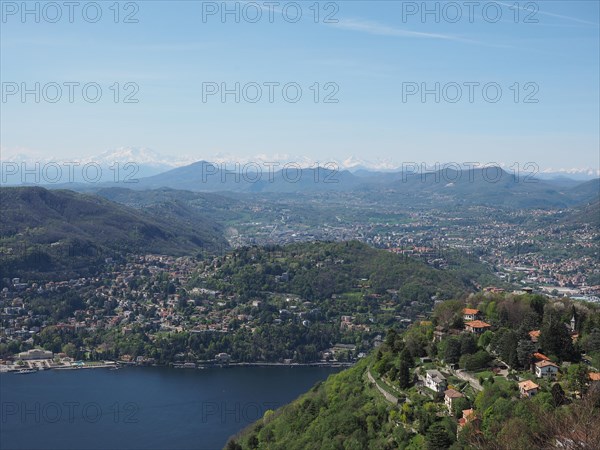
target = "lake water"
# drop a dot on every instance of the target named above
(142, 407)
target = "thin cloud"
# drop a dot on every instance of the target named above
(385, 30)
(174, 46)
(380, 29)
(545, 13)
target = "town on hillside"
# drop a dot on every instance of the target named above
(475, 361)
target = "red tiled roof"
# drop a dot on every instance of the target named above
(477, 324)
(470, 311)
(541, 356)
(528, 385)
(545, 363)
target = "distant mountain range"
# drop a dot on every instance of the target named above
(144, 162)
(587, 213)
(489, 186)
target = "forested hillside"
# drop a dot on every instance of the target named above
(47, 232)
(439, 386)
(257, 304)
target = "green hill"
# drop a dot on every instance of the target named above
(588, 213)
(192, 206)
(304, 289)
(59, 230)
(344, 412)
(321, 269)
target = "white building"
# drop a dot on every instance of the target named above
(470, 314)
(545, 369)
(435, 381)
(35, 353)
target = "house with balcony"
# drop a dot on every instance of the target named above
(477, 327)
(470, 314)
(545, 369)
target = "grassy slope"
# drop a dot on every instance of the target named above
(345, 411)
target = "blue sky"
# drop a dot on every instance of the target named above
(372, 49)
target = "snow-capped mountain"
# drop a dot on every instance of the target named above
(573, 173)
(354, 164)
(133, 163)
(116, 165)
(351, 163)
(143, 156)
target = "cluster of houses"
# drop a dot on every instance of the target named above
(541, 366)
(157, 293)
(473, 322)
(435, 381)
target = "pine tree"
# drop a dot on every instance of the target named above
(403, 375)
(437, 437)
(556, 340)
(558, 395)
(525, 349)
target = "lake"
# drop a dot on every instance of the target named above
(142, 407)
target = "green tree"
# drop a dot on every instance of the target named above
(525, 348)
(578, 378)
(593, 341)
(485, 339)
(451, 350)
(504, 343)
(467, 344)
(477, 361)
(407, 358)
(233, 445)
(448, 314)
(458, 406)
(558, 395)
(438, 437)
(403, 375)
(556, 340)
(70, 350)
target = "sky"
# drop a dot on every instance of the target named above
(394, 81)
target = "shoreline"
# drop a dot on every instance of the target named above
(116, 365)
